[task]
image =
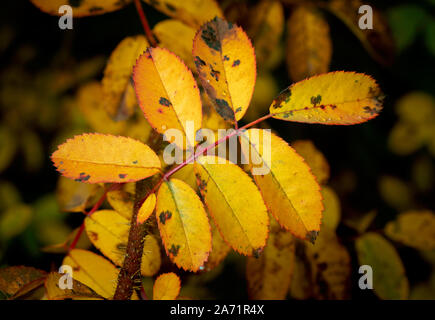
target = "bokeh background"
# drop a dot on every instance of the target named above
(378, 169)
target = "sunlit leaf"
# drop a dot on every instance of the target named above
(377, 41)
(225, 61)
(177, 38)
(146, 208)
(309, 45)
(413, 228)
(168, 94)
(166, 287)
(289, 190)
(79, 291)
(234, 203)
(20, 279)
(314, 158)
(118, 95)
(183, 225)
(82, 8)
(341, 98)
(269, 275)
(191, 12)
(96, 158)
(389, 278)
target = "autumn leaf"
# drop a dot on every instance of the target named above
(413, 228)
(147, 208)
(234, 203)
(183, 225)
(94, 158)
(177, 38)
(79, 291)
(168, 94)
(225, 61)
(151, 258)
(269, 276)
(93, 271)
(314, 158)
(219, 249)
(19, 280)
(122, 202)
(118, 95)
(341, 98)
(81, 8)
(73, 196)
(290, 191)
(332, 212)
(309, 45)
(192, 12)
(378, 41)
(389, 278)
(166, 287)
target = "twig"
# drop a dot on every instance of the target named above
(146, 26)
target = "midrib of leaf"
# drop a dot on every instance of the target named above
(106, 163)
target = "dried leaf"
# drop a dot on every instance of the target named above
(225, 61)
(341, 98)
(15, 279)
(94, 158)
(183, 225)
(234, 203)
(79, 291)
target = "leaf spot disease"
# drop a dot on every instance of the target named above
(236, 63)
(316, 100)
(174, 250)
(122, 175)
(164, 216)
(165, 102)
(224, 109)
(210, 38)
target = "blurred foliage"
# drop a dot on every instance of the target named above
(377, 178)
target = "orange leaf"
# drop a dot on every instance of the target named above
(183, 225)
(225, 60)
(167, 92)
(332, 98)
(94, 158)
(235, 204)
(166, 287)
(146, 208)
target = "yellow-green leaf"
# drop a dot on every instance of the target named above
(225, 61)
(389, 277)
(94, 158)
(290, 191)
(118, 95)
(269, 275)
(82, 8)
(183, 225)
(168, 94)
(166, 287)
(309, 45)
(191, 12)
(234, 203)
(340, 98)
(413, 228)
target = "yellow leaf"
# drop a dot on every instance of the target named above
(146, 208)
(377, 41)
(166, 287)
(118, 94)
(94, 158)
(168, 94)
(332, 212)
(330, 267)
(73, 196)
(191, 12)
(219, 249)
(266, 25)
(79, 291)
(108, 232)
(309, 45)
(122, 202)
(81, 8)
(416, 107)
(314, 158)
(211, 119)
(14, 279)
(333, 98)
(177, 38)
(269, 276)
(183, 225)
(225, 61)
(405, 138)
(389, 278)
(234, 203)
(90, 102)
(413, 228)
(187, 175)
(93, 271)
(151, 258)
(290, 191)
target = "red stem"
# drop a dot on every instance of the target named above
(146, 26)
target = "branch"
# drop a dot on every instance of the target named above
(146, 26)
